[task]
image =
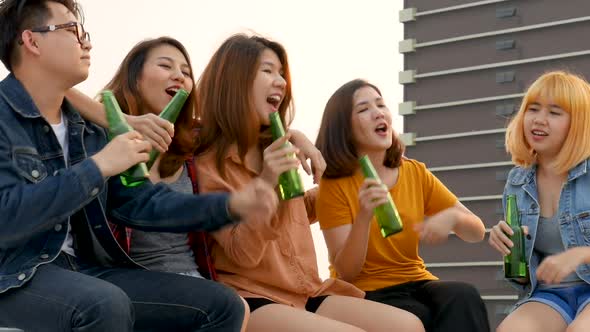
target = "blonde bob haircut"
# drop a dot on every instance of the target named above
(572, 94)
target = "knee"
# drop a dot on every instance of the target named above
(410, 322)
(231, 300)
(110, 304)
(507, 327)
(467, 290)
(229, 306)
(414, 319)
(116, 304)
(422, 313)
(466, 293)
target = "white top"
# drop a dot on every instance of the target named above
(61, 132)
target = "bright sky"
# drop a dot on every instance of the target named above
(329, 43)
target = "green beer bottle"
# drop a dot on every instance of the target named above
(515, 266)
(386, 214)
(290, 185)
(137, 174)
(170, 113)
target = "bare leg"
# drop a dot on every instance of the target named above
(279, 317)
(246, 315)
(533, 317)
(582, 321)
(368, 315)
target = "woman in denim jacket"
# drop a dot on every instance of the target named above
(548, 141)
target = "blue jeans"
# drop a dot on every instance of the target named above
(70, 295)
(567, 301)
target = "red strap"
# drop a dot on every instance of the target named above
(192, 173)
(198, 240)
(122, 234)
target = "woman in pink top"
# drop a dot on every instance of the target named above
(271, 263)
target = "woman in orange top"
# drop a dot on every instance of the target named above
(271, 263)
(357, 122)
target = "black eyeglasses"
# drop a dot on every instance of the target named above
(81, 34)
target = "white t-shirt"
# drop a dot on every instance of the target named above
(61, 132)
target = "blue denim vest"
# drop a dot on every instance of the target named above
(573, 215)
(39, 194)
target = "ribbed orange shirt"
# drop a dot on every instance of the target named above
(274, 259)
(394, 260)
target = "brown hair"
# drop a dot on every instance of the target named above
(572, 93)
(125, 87)
(224, 97)
(335, 140)
(19, 15)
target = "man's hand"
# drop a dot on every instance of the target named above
(257, 198)
(121, 153)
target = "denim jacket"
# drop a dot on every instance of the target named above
(573, 215)
(39, 193)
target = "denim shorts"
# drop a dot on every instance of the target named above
(569, 301)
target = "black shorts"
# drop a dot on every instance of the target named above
(312, 304)
(457, 304)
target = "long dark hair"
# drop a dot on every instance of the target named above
(224, 97)
(125, 87)
(335, 136)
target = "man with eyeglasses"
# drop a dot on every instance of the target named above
(60, 267)
(79, 31)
